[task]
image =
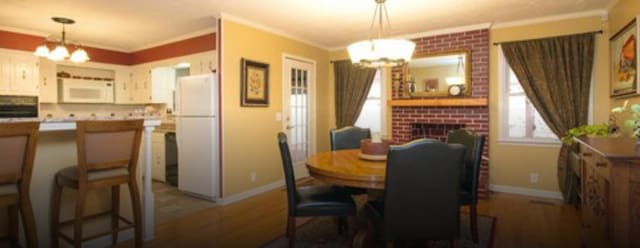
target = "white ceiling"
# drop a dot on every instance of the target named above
(132, 24)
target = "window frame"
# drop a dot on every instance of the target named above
(503, 116)
(383, 101)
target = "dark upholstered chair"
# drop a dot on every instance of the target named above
(17, 153)
(310, 200)
(470, 173)
(348, 137)
(107, 158)
(421, 193)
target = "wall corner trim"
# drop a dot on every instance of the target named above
(525, 191)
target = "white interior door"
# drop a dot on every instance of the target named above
(298, 104)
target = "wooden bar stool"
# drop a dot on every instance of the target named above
(107, 157)
(17, 152)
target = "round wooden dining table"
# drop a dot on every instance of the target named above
(346, 168)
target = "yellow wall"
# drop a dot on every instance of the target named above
(510, 164)
(249, 134)
(619, 16)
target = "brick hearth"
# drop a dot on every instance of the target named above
(405, 119)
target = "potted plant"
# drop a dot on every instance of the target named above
(633, 120)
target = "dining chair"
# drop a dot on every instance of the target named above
(421, 193)
(107, 158)
(348, 137)
(17, 150)
(470, 172)
(310, 200)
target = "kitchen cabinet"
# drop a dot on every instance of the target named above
(202, 63)
(158, 164)
(19, 74)
(123, 88)
(48, 81)
(610, 181)
(162, 85)
(141, 82)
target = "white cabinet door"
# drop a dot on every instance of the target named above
(48, 81)
(158, 170)
(6, 73)
(25, 74)
(142, 85)
(123, 86)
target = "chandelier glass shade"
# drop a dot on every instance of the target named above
(61, 52)
(381, 52)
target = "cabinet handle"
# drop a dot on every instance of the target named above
(601, 164)
(44, 82)
(587, 154)
(24, 74)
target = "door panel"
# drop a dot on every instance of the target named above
(297, 107)
(197, 159)
(197, 96)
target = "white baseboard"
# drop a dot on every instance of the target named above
(300, 173)
(526, 191)
(250, 193)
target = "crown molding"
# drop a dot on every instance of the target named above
(279, 32)
(23, 31)
(602, 13)
(177, 38)
(452, 30)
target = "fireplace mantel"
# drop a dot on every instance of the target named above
(440, 102)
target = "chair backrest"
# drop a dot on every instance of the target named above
(348, 137)
(422, 185)
(473, 157)
(17, 152)
(108, 145)
(289, 176)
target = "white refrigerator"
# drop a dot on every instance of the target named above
(197, 135)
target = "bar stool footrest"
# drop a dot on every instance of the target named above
(129, 224)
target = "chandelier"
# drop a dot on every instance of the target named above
(60, 52)
(381, 52)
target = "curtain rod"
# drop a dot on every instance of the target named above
(594, 32)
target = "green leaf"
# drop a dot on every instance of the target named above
(635, 108)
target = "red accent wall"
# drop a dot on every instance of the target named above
(180, 48)
(474, 118)
(26, 42)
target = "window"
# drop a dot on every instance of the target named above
(519, 120)
(372, 114)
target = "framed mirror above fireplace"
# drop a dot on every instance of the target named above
(438, 74)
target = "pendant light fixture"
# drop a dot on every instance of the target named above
(60, 52)
(379, 52)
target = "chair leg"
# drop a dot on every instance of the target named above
(341, 222)
(473, 215)
(77, 224)
(455, 243)
(28, 220)
(137, 211)
(55, 214)
(115, 213)
(13, 225)
(351, 229)
(291, 231)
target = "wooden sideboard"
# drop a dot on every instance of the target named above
(610, 179)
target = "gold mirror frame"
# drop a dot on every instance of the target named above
(445, 93)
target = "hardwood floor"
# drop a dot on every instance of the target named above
(521, 222)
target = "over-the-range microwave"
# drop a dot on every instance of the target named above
(85, 91)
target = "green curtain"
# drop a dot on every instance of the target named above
(555, 74)
(352, 85)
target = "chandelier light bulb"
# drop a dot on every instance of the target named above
(79, 56)
(59, 53)
(42, 51)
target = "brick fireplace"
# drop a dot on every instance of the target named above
(412, 122)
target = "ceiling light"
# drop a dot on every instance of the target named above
(380, 52)
(60, 52)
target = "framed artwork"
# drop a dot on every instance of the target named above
(624, 61)
(254, 84)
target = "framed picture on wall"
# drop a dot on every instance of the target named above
(254, 84)
(624, 61)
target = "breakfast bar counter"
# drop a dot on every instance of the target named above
(56, 149)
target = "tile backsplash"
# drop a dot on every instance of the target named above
(61, 110)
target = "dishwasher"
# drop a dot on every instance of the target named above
(171, 158)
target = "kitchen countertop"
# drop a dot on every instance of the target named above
(48, 124)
